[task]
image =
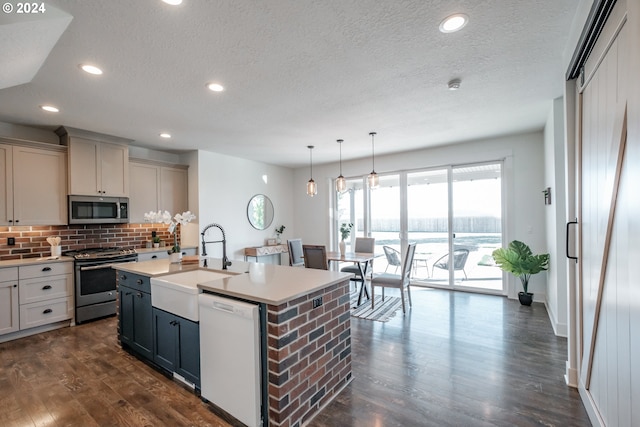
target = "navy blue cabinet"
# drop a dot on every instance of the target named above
(177, 345)
(136, 316)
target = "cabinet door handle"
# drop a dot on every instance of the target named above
(139, 294)
(47, 311)
(127, 293)
(123, 277)
(155, 256)
(46, 287)
(17, 221)
(46, 269)
(139, 281)
(15, 286)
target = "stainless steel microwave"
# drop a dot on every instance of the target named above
(98, 210)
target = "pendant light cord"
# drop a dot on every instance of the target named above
(373, 153)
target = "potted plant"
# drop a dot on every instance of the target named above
(519, 260)
(156, 241)
(279, 231)
(345, 230)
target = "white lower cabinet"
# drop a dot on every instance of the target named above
(35, 295)
(46, 293)
(9, 305)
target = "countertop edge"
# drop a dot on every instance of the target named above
(34, 261)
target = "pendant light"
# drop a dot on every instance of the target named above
(372, 179)
(312, 189)
(341, 183)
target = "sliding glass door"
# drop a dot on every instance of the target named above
(477, 225)
(428, 222)
(453, 214)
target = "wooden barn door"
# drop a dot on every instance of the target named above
(608, 248)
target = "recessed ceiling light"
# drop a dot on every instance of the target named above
(173, 2)
(91, 69)
(165, 135)
(454, 23)
(49, 108)
(215, 87)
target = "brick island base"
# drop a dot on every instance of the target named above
(309, 354)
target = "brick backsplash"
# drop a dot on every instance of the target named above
(31, 241)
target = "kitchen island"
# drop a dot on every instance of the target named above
(305, 329)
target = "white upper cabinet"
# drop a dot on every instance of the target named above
(156, 187)
(32, 185)
(98, 164)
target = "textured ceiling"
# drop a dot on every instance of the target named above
(296, 73)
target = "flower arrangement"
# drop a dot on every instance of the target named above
(345, 230)
(165, 218)
(280, 230)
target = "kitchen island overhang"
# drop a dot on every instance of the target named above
(306, 334)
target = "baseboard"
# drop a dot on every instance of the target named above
(590, 407)
(559, 329)
(571, 376)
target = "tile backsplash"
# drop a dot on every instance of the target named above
(31, 241)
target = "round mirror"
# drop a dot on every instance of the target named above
(260, 211)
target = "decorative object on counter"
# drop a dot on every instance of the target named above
(56, 249)
(156, 241)
(519, 260)
(345, 230)
(260, 212)
(271, 242)
(279, 231)
(179, 219)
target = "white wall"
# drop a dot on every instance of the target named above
(219, 191)
(523, 178)
(555, 218)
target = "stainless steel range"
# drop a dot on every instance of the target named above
(96, 280)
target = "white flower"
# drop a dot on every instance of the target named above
(165, 218)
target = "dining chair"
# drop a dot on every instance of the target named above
(393, 258)
(400, 281)
(315, 256)
(366, 245)
(295, 253)
(459, 260)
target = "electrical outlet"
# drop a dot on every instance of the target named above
(11, 241)
(317, 302)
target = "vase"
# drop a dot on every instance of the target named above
(342, 247)
(175, 257)
(278, 239)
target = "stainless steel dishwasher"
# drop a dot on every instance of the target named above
(230, 366)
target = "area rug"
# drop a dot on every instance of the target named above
(383, 311)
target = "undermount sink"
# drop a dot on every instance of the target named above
(178, 293)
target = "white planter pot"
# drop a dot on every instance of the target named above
(175, 257)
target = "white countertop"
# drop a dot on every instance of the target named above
(31, 261)
(265, 283)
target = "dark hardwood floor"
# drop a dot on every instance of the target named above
(455, 359)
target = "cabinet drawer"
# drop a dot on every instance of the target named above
(134, 281)
(44, 270)
(45, 288)
(8, 274)
(44, 312)
(153, 255)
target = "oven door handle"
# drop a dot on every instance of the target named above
(96, 267)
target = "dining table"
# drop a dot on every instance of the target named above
(362, 259)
